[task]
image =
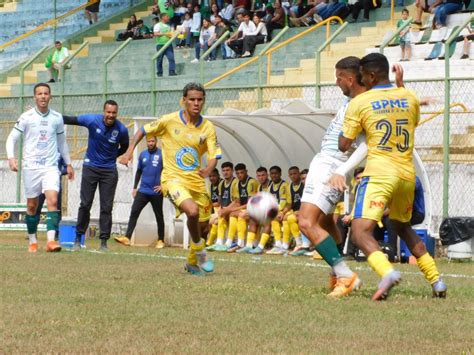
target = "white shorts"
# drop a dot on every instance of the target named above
(316, 190)
(37, 181)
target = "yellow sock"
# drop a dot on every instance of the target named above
(212, 235)
(221, 228)
(428, 268)
(276, 229)
(232, 228)
(379, 263)
(250, 239)
(264, 240)
(241, 228)
(293, 223)
(192, 256)
(286, 233)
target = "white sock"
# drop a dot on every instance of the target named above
(50, 235)
(220, 241)
(342, 270)
(285, 246)
(298, 241)
(241, 243)
(249, 245)
(306, 244)
(278, 244)
(228, 242)
(32, 238)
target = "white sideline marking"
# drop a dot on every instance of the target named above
(253, 260)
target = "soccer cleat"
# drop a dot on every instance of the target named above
(193, 269)
(439, 289)
(276, 251)
(221, 247)
(345, 285)
(123, 240)
(332, 281)
(160, 244)
(299, 251)
(52, 247)
(211, 247)
(233, 249)
(33, 248)
(103, 245)
(316, 256)
(256, 251)
(203, 261)
(388, 281)
(244, 250)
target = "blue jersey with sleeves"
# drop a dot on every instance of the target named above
(104, 143)
(150, 164)
(419, 201)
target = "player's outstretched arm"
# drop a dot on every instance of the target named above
(71, 120)
(64, 152)
(128, 155)
(14, 135)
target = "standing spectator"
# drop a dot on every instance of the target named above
(166, 7)
(60, 55)
(142, 31)
(92, 12)
(277, 20)
(259, 36)
(214, 13)
(196, 24)
(404, 37)
(236, 41)
(206, 38)
(132, 23)
(162, 33)
(108, 139)
(150, 165)
(227, 11)
(448, 7)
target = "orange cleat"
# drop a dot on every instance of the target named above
(33, 248)
(344, 286)
(332, 282)
(52, 247)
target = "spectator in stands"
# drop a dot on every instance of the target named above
(92, 12)
(166, 7)
(207, 37)
(221, 27)
(258, 36)
(214, 12)
(179, 9)
(227, 11)
(405, 39)
(60, 55)
(131, 25)
(236, 41)
(196, 25)
(155, 11)
(142, 31)
(242, 5)
(424, 6)
(311, 15)
(366, 5)
(162, 33)
(185, 30)
(277, 21)
(299, 8)
(446, 8)
(467, 39)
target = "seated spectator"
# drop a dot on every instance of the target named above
(446, 8)
(132, 23)
(142, 31)
(155, 11)
(258, 36)
(179, 9)
(214, 12)
(207, 37)
(221, 27)
(184, 38)
(405, 44)
(277, 20)
(421, 6)
(227, 12)
(298, 9)
(242, 5)
(366, 5)
(236, 41)
(311, 15)
(334, 8)
(92, 12)
(60, 55)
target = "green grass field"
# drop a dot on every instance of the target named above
(141, 300)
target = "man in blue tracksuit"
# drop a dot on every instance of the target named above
(108, 139)
(150, 165)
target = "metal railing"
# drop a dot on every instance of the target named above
(447, 103)
(397, 33)
(62, 70)
(106, 64)
(441, 112)
(208, 53)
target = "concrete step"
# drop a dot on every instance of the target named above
(5, 90)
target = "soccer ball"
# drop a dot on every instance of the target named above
(262, 207)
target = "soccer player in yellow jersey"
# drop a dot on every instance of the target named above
(281, 190)
(214, 180)
(388, 115)
(290, 220)
(185, 136)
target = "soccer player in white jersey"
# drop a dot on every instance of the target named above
(319, 198)
(43, 133)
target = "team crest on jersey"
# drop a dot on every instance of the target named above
(98, 130)
(144, 160)
(115, 133)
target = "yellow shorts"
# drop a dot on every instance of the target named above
(178, 193)
(377, 192)
(339, 209)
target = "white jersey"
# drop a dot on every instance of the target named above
(40, 142)
(330, 142)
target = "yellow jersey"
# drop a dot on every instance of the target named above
(228, 191)
(183, 145)
(247, 189)
(282, 193)
(389, 116)
(264, 187)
